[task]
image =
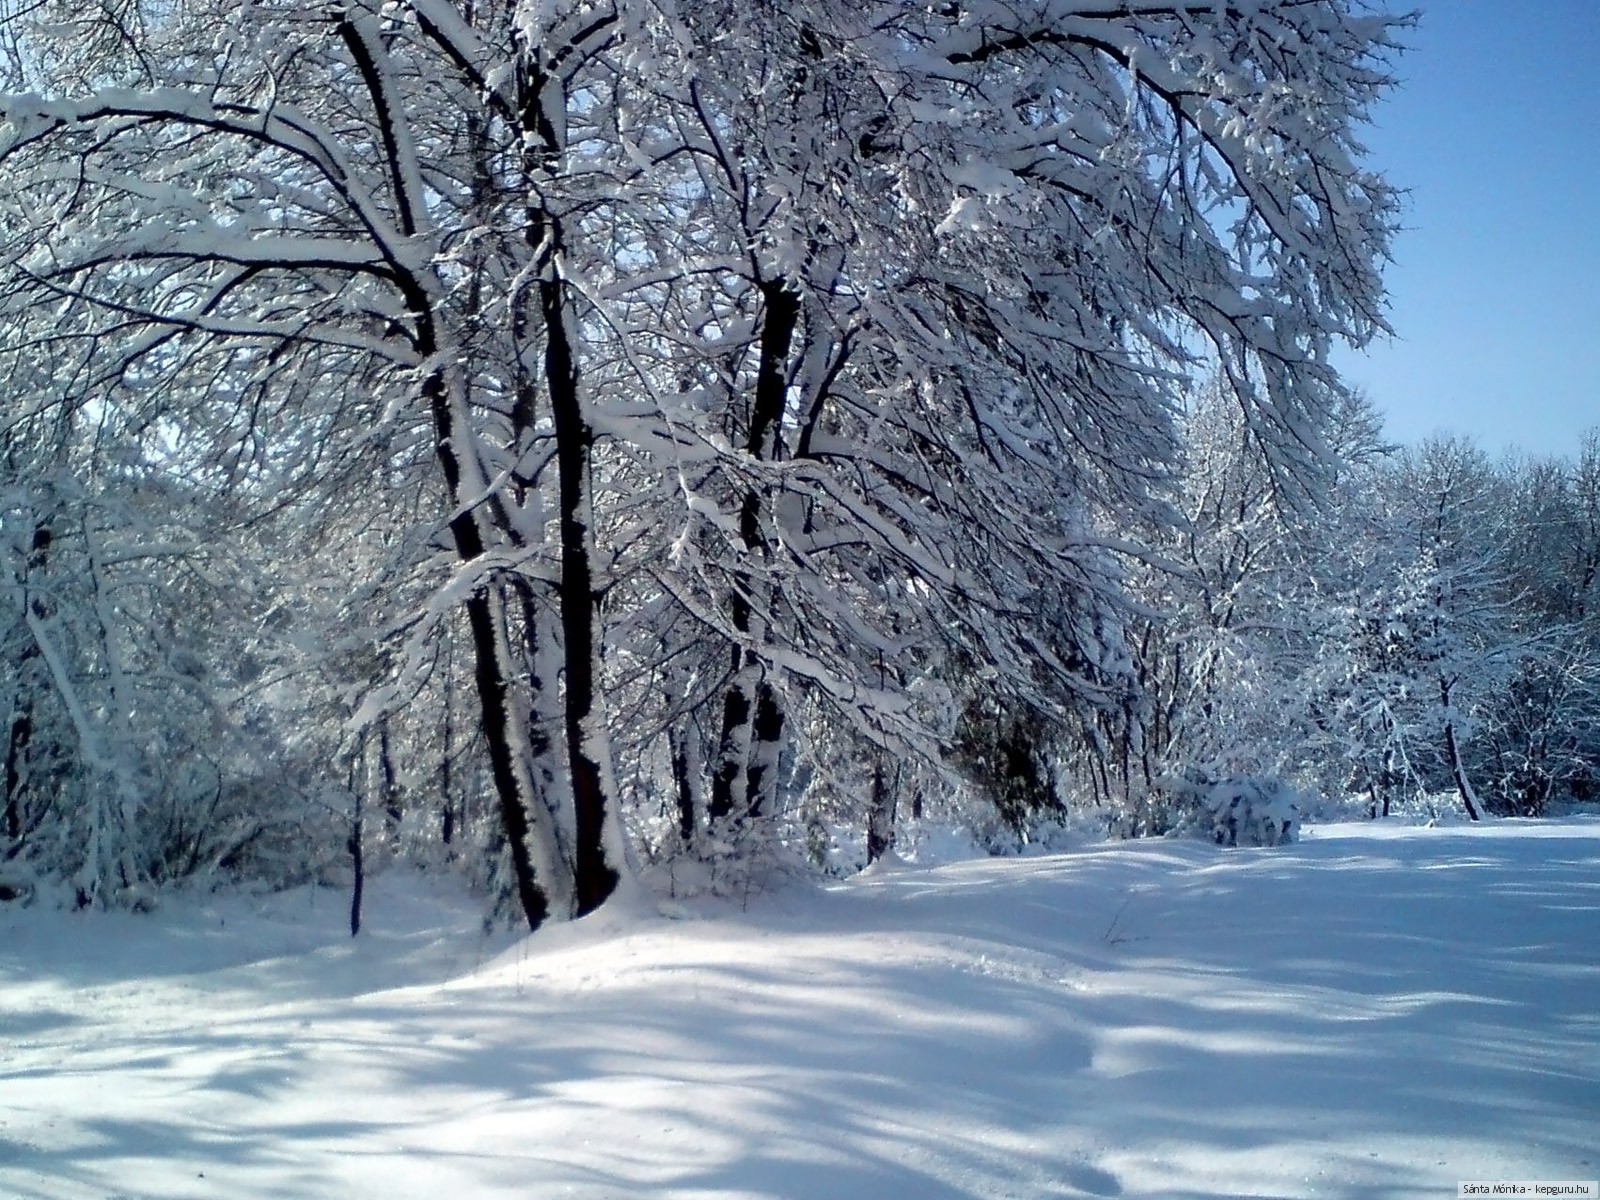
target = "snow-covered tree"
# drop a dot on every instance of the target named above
(1543, 739)
(128, 757)
(804, 356)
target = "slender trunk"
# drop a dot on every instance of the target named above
(505, 730)
(683, 747)
(389, 784)
(596, 850)
(447, 805)
(594, 877)
(447, 815)
(880, 820)
(358, 866)
(535, 861)
(745, 782)
(509, 754)
(1390, 779)
(729, 780)
(20, 733)
(1458, 769)
(542, 636)
(766, 745)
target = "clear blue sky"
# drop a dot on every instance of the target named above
(1495, 290)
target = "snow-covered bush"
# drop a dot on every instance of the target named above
(1249, 812)
(16, 883)
(1235, 811)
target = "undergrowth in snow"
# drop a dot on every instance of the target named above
(1379, 1010)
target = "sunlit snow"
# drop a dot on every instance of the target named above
(1379, 1010)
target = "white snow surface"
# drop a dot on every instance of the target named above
(1379, 1010)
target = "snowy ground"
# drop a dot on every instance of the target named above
(1373, 1012)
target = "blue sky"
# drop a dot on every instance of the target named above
(1495, 290)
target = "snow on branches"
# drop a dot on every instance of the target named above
(766, 370)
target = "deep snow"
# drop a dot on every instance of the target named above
(1380, 1010)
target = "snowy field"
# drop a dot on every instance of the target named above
(1372, 1012)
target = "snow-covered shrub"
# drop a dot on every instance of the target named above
(1235, 811)
(1249, 812)
(1005, 755)
(16, 883)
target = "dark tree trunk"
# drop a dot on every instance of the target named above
(735, 741)
(542, 650)
(447, 803)
(355, 843)
(20, 734)
(1388, 780)
(389, 783)
(486, 623)
(752, 711)
(880, 820)
(685, 782)
(594, 877)
(504, 735)
(766, 743)
(1458, 769)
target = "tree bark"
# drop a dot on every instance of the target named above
(447, 804)
(511, 757)
(20, 734)
(1458, 769)
(594, 877)
(17, 740)
(766, 744)
(880, 820)
(683, 747)
(389, 784)
(358, 861)
(594, 803)
(745, 782)
(528, 833)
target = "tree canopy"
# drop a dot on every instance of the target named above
(563, 414)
